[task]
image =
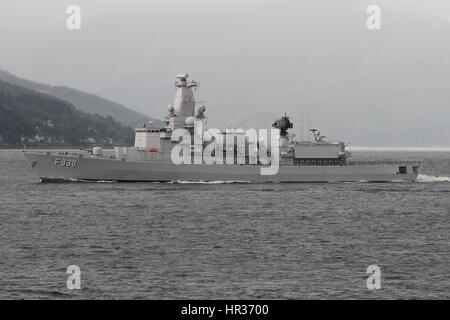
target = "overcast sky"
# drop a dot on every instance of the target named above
(255, 59)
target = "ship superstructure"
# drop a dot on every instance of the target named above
(152, 156)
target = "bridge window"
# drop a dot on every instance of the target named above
(402, 170)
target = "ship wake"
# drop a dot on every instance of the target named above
(429, 178)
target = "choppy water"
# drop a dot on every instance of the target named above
(239, 240)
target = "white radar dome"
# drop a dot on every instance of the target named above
(97, 151)
(189, 121)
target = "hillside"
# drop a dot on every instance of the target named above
(83, 101)
(37, 119)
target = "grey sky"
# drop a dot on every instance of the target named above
(254, 60)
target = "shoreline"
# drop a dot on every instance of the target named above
(56, 148)
(400, 149)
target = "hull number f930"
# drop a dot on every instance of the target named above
(65, 163)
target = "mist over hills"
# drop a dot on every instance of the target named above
(83, 101)
(36, 119)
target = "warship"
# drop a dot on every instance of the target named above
(156, 154)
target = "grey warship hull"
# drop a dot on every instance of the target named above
(49, 168)
(185, 150)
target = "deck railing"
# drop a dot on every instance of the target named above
(372, 162)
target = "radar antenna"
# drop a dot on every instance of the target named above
(283, 124)
(317, 136)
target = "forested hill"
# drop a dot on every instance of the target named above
(36, 119)
(83, 101)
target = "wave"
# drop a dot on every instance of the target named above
(427, 178)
